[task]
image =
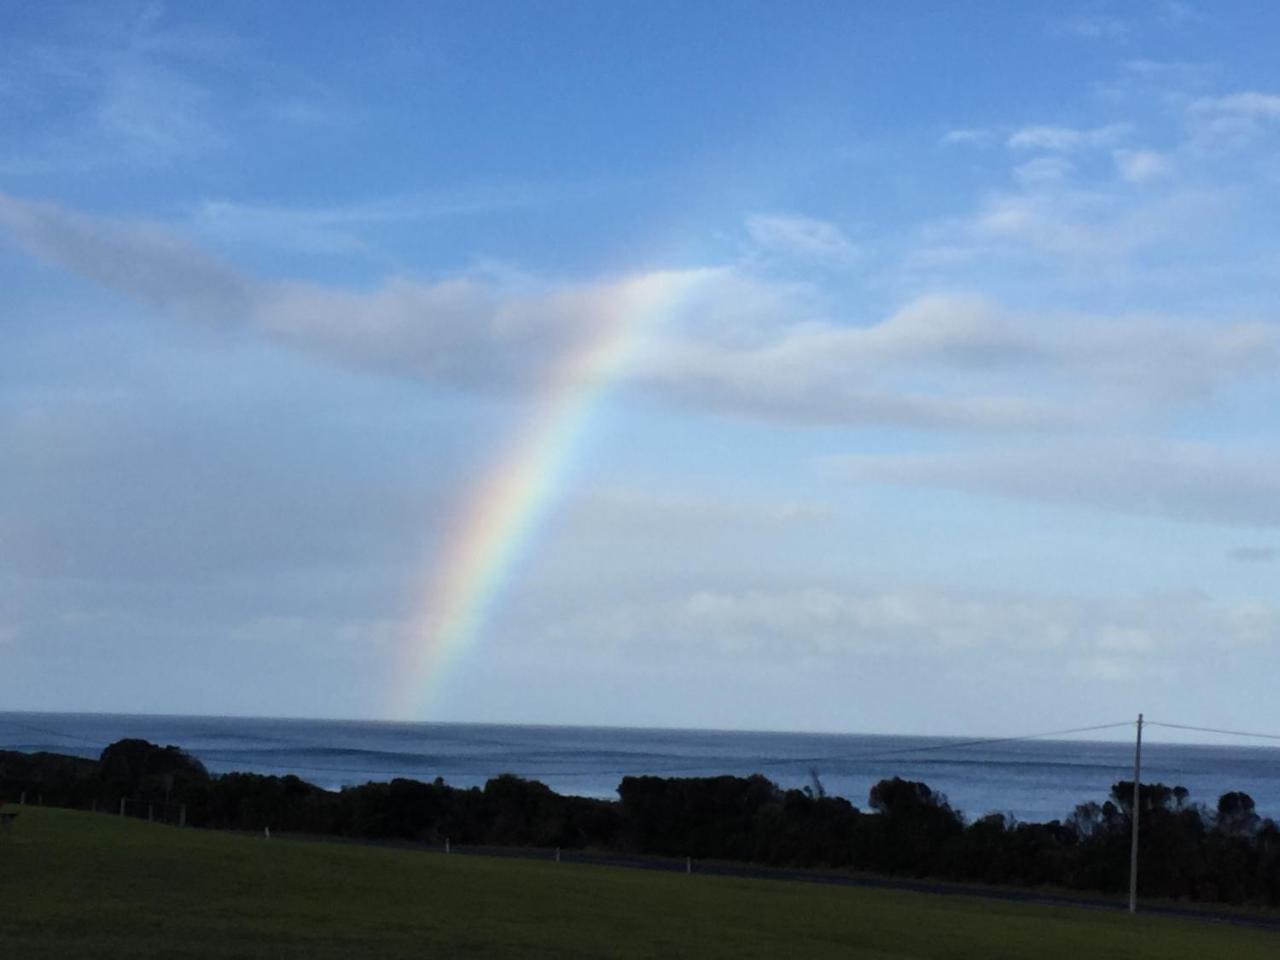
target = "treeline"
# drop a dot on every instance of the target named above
(1227, 854)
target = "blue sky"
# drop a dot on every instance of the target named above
(970, 424)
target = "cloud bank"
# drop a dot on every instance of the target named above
(745, 345)
(1106, 637)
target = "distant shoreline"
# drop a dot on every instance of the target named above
(907, 829)
(1033, 780)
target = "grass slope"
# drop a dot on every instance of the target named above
(84, 885)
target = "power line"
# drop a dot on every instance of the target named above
(904, 751)
(955, 744)
(51, 733)
(986, 741)
(890, 753)
(1225, 733)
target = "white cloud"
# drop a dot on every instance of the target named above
(801, 238)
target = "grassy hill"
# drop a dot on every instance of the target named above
(82, 885)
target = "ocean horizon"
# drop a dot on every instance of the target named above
(1027, 779)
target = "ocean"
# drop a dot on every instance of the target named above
(1032, 780)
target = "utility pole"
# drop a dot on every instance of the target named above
(1133, 843)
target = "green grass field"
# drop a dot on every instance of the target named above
(86, 886)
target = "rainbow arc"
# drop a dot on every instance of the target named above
(504, 510)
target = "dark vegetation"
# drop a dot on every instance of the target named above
(1229, 854)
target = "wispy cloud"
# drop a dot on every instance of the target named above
(1253, 554)
(823, 371)
(1043, 171)
(1085, 635)
(1263, 106)
(1093, 26)
(136, 90)
(1064, 139)
(966, 135)
(1097, 23)
(1233, 121)
(141, 260)
(342, 228)
(1143, 81)
(1178, 14)
(1139, 166)
(1142, 201)
(801, 238)
(1058, 217)
(154, 110)
(1199, 482)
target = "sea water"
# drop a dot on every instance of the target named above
(1032, 780)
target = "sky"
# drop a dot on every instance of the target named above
(901, 368)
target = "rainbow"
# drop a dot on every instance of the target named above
(501, 516)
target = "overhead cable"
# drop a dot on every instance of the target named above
(1224, 733)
